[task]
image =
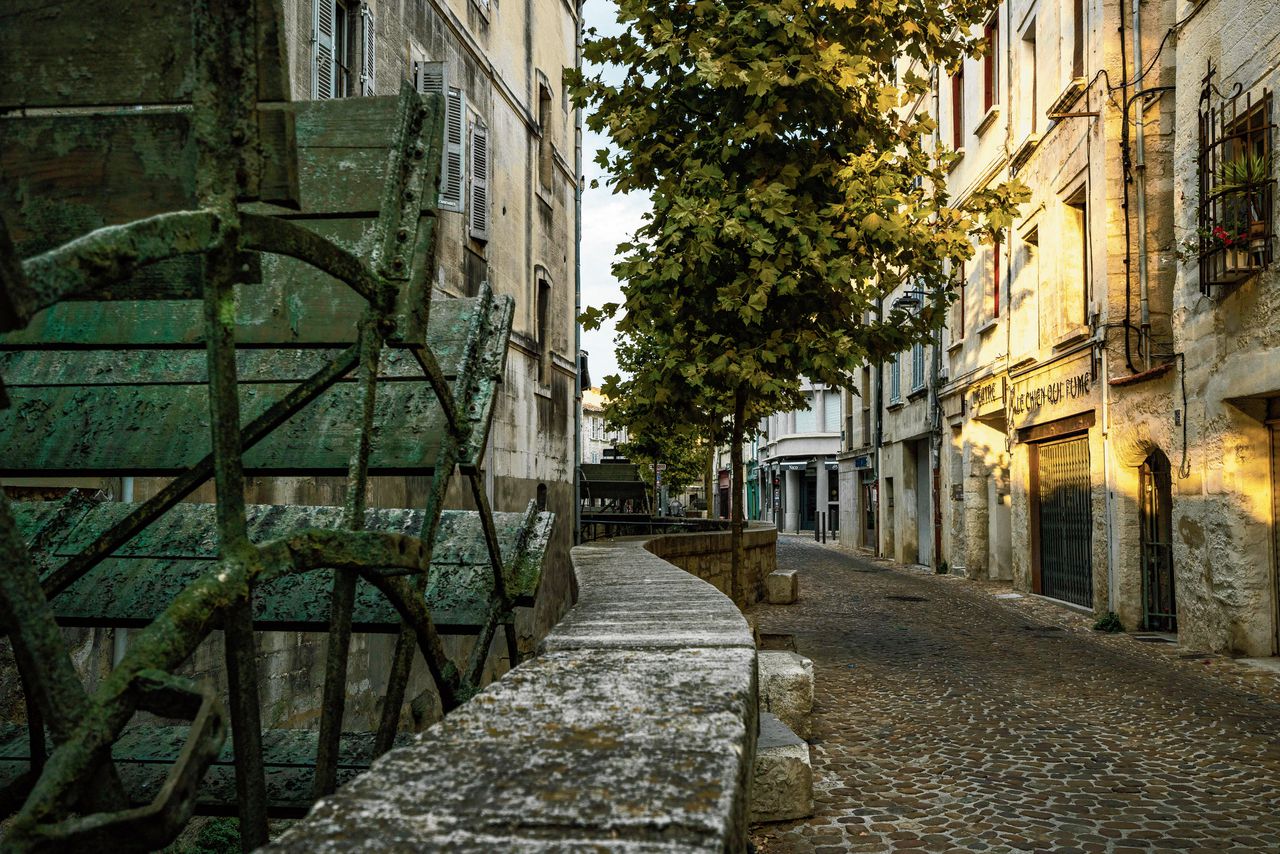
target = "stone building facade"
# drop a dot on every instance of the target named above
(1214, 411)
(509, 215)
(796, 463)
(508, 218)
(1108, 396)
(597, 437)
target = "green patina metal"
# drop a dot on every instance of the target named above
(220, 284)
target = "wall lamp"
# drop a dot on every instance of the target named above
(909, 300)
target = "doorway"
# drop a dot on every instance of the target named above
(1273, 419)
(1155, 520)
(924, 513)
(809, 502)
(1063, 520)
(869, 510)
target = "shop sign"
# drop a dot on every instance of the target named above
(862, 461)
(988, 397)
(1062, 390)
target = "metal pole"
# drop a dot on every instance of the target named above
(577, 302)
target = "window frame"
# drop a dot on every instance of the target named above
(957, 108)
(991, 64)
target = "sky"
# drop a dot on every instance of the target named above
(607, 220)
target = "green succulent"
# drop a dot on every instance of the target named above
(1245, 170)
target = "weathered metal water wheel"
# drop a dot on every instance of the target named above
(200, 279)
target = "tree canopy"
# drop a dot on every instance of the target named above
(785, 154)
(791, 187)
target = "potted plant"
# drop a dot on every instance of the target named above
(1245, 176)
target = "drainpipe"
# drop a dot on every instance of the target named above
(577, 298)
(935, 424)
(1108, 474)
(879, 434)
(1140, 186)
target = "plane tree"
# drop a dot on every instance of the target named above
(791, 185)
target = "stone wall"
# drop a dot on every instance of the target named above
(633, 729)
(708, 556)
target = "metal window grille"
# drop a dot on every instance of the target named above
(1236, 211)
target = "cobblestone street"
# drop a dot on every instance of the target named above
(948, 720)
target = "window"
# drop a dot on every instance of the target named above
(917, 366)
(542, 320)
(1077, 36)
(957, 109)
(866, 406)
(895, 382)
(958, 307)
(991, 64)
(831, 412)
(1075, 298)
(849, 440)
(340, 38)
(806, 418)
(995, 279)
(1028, 78)
(1237, 183)
(1029, 279)
(546, 152)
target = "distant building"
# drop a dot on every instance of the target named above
(796, 463)
(597, 439)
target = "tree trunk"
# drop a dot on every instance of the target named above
(709, 476)
(737, 429)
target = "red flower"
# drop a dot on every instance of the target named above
(1221, 233)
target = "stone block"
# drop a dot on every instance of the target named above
(786, 688)
(782, 587)
(782, 779)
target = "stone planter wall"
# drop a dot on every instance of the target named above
(633, 729)
(709, 557)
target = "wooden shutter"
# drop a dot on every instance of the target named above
(480, 181)
(323, 71)
(367, 55)
(428, 77)
(453, 178)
